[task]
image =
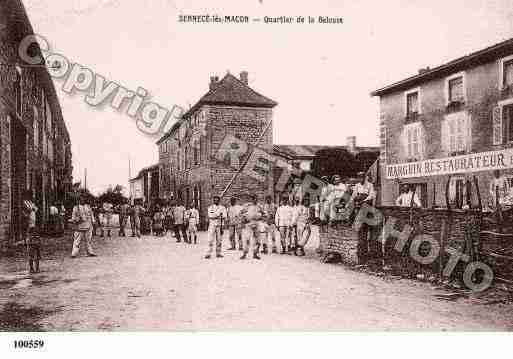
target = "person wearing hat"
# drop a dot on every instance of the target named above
(336, 194)
(234, 224)
(82, 217)
(215, 217)
(283, 220)
(296, 192)
(252, 214)
(364, 190)
(405, 198)
(268, 227)
(324, 208)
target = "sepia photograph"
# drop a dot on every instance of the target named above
(185, 166)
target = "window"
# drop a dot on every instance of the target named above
(412, 104)
(507, 72)
(507, 120)
(196, 154)
(456, 133)
(36, 128)
(178, 160)
(456, 89)
(413, 141)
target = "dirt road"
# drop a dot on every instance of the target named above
(157, 284)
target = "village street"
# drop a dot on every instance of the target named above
(158, 284)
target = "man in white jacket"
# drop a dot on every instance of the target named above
(215, 217)
(83, 218)
(283, 220)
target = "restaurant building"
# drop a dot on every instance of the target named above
(452, 121)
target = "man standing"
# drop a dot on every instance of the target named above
(234, 224)
(405, 198)
(283, 220)
(268, 226)
(82, 217)
(364, 191)
(498, 188)
(135, 215)
(28, 227)
(336, 194)
(124, 210)
(304, 215)
(108, 210)
(215, 217)
(252, 215)
(293, 232)
(179, 225)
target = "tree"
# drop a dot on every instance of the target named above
(365, 160)
(331, 161)
(113, 195)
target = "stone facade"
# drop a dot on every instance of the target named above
(34, 142)
(483, 97)
(190, 171)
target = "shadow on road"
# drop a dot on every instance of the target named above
(17, 318)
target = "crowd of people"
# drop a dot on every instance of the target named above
(260, 226)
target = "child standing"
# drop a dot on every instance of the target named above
(31, 237)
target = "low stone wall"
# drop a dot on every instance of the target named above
(359, 248)
(342, 240)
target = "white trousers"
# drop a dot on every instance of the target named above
(77, 238)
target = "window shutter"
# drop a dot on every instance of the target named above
(497, 126)
(468, 127)
(422, 142)
(445, 136)
(403, 141)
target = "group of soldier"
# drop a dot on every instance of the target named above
(260, 224)
(159, 219)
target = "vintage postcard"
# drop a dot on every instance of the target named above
(255, 165)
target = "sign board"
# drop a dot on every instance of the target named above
(473, 162)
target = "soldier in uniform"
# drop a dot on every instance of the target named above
(252, 215)
(268, 226)
(124, 210)
(215, 218)
(283, 220)
(234, 224)
(305, 214)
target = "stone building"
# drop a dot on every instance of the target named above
(452, 120)
(146, 185)
(35, 145)
(187, 153)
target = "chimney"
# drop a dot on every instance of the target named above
(244, 77)
(351, 143)
(213, 82)
(424, 70)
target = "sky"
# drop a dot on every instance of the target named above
(321, 75)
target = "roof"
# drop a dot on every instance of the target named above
(480, 57)
(229, 91)
(310, 151)
(144, 170)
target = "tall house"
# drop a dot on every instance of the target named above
(187, 153)
(449, 124)
(35, 146)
